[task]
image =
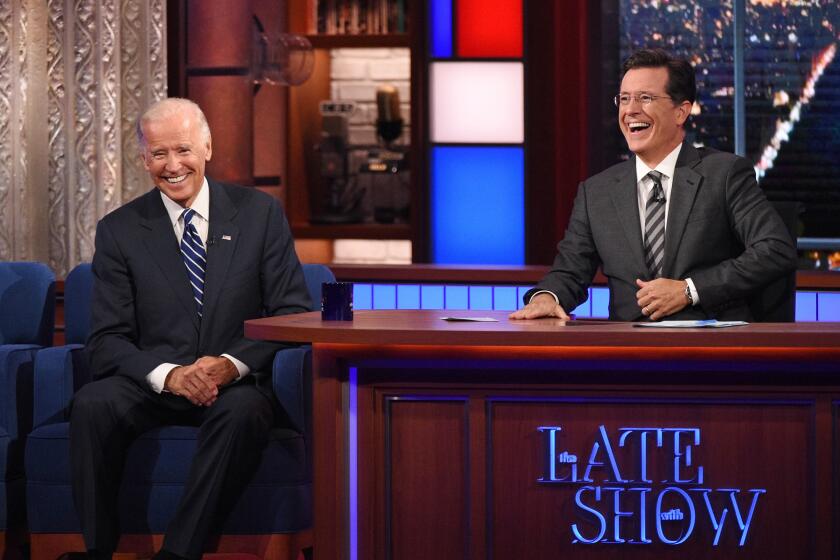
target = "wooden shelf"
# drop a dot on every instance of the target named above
(322, 41)
(351, 231)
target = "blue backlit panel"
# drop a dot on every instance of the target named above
(408, 296)
(806, 306)
(584, 309)
(362, 296)
(457, 297)
(828, 306)
(384, 296)
(505, 298)
(478, 205)
(481, 297)
(431, 297)
(600, 298)
(440, 27)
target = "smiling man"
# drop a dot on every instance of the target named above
(176, 273)
(679, 232)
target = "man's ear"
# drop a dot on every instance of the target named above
(683, 111)
(209, 152)
(142, 156)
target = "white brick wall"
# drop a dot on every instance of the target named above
(355, 74)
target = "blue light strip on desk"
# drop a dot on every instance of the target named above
(353, 464)
(810, 306)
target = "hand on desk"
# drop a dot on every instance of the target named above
(541, 305)
(199, 382)
(661, 297)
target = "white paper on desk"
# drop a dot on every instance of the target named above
(471, 319)
(705, 323)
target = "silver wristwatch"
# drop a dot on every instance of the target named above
(688, 295)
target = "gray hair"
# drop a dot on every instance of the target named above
(166, 107)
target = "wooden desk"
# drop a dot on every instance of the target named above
(427, 439)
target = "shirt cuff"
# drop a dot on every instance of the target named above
(240, 366)
(157, 377)
(695, 297)
(552, 294)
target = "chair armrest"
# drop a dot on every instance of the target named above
(16, 362)
(59, 371)
(292, 384)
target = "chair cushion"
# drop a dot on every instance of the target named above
(16, 374)
(276, 500)
(4, 446)
(27, 303)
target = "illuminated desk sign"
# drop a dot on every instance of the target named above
(680, 498)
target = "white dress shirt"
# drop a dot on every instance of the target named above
(201, 205)
(644, 187)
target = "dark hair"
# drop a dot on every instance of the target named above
(681, 83)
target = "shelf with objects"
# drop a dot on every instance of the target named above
(351, 125)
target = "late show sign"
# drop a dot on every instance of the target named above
(665, 509)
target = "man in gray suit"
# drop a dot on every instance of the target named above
(679, 232)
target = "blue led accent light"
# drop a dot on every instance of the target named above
(362, 296)
(600, 298)
(431, 297)
(353, 463)
(505, 298)
(478, 205)
(440, 25)
(384, 296)
(481, 297)
(457, 297)
(408, 296)
(806, 306)
(828, 306)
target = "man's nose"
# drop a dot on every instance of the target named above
(172, 162)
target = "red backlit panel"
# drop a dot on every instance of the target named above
(489, 28)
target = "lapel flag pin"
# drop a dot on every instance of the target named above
(226, 238)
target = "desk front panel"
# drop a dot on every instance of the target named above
(475, 459)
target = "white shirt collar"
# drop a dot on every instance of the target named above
(201, 204)
(666, 166)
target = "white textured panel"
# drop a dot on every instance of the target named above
(477, 102)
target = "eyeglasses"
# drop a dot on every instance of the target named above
(643, 98)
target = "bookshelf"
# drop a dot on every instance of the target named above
(303, 174)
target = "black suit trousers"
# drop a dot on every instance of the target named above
(107, 415)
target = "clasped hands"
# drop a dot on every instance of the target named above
(199, 382)
(656, 298)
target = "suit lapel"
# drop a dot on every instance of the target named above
(684, 188)
(160, 241)
(224, 235)
(624, 197)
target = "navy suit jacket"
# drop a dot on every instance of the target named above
(143, 313)
(721, 232)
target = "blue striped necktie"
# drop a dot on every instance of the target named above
(655, 226)
(195, 257)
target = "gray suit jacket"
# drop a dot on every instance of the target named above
(721, 232)
(143, 314)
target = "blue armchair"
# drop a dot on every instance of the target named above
(27, 317)
(272, 517)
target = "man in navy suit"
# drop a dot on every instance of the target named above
(679, 232)
(177, 272)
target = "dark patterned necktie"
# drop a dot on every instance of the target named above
(195, 257)
(655, 226)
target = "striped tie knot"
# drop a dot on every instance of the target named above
(195, 257)
(655, 226)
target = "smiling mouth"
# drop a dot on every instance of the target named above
(175, 180)
(636, 127)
